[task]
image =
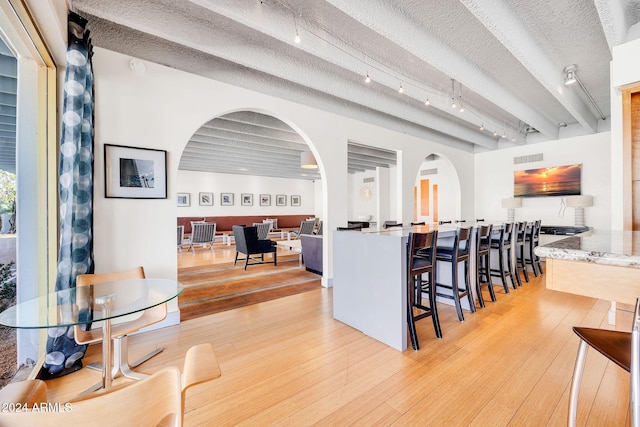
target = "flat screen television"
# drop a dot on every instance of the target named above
(553, 181)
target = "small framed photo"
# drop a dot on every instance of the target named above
(226, 199)
(295, 200)
(184, 199)
(206, 199)
(246, 199)
(134, 173)
(281, 200)
(265, 200)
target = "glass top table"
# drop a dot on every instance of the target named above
(106, 301)
(62, 308)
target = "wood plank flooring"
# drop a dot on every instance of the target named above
(288, 362)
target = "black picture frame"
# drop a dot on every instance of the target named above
(134, 172)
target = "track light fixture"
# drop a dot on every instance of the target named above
(453, 94)
(400, 89)
(427, 101)
(482, 126)
(570, 74)
(367, 79)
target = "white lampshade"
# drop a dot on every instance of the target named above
(512, 202)
(579, 201)
(307, 160)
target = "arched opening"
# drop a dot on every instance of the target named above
(244, 168)
(437, 194)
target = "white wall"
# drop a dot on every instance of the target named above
(163, 107)
(494, 180)
(216, 183)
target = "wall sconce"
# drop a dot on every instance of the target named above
(511, 204)
(579, 203)
(307, 160)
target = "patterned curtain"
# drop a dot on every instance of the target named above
(75, 190)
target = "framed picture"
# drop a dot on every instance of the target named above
(206, 199)
(246, 199)
(281, 200)
(184, 199)
(134, 173)
(295, 200)
(265, 200)
(226, 199)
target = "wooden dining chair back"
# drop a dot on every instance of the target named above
(200, 365)
(202, 233)
(532, 241)
(421, 261)
(623, 349)
(119, 331)
(454, 251)
(156, 400)
(501, 243)
(483, 262)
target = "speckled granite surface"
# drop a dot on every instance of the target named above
(618, 248)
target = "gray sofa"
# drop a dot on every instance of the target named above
(312, 252)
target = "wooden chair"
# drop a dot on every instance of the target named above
(202, 233)
(455, 251)
(532, 241)
(156, 400)
(520, 236)
(247, 243)
(623, 349)
(483, 262)
(120, 331)
(421, 259)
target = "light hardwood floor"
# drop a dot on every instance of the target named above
(288, 362)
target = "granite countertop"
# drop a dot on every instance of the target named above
(618, 248)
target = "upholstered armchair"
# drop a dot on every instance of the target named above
(247, 243)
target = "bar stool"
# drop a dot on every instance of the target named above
(532, 239)
(502, 243)
(622, 348)
(521, 232)
(421, 260)
(457, 252)
(483, 262)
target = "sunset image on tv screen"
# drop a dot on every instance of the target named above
(553, 181)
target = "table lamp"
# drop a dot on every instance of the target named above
(579, 203)
(510, 204)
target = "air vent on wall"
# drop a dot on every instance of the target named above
(366, 180)
(433, 171)
(527, 159)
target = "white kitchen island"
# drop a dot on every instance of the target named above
(370, 276)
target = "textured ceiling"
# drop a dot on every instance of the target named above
(503, 60)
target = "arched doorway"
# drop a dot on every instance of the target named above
(437, 195)
(243, 168)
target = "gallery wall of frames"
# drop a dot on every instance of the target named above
(203, 193)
